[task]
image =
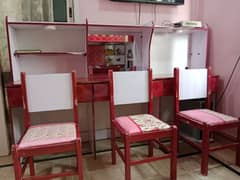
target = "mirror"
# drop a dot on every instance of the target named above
(107, 51)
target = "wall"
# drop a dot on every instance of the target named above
(108, 12)
(224, 48)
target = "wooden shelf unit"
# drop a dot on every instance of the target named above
(47, 47)
(178, 47)
(61, 47)
(64, 47)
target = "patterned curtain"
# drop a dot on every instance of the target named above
(37, 10)
(27, 10)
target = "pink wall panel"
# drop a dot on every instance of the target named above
(108, 12)
(222, 18)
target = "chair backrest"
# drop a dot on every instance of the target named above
(192, 83)
(48, 92)
(130, 87)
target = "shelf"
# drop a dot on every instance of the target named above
(50, 53)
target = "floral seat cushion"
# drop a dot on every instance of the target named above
(208, 116)
(48, 134)
(140, 123)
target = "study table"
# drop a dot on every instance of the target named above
(93, 89)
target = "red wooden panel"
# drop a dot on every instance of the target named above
(101, 92)
(14, 96)
(84, 92)
(109, 38)
(96, 55)
(214, 80)
(163, 87)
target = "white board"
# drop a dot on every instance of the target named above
(130, 87)
(192, 84)
(48, 92)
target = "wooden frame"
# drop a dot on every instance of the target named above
(144, 136)
(206, 128)
(28, 152)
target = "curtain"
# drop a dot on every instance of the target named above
(37, 10)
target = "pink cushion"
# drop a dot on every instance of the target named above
(208, 116)
(48, 134)
(140, 123)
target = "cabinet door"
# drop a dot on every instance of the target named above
(168, 50)
(197, 49)
(177, 48)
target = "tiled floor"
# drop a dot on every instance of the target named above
(101, 169)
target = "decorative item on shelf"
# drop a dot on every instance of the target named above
(188, 24)
(129, 54)
(130, 59)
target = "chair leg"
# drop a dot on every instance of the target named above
(205, 151)
(113, 145)
(79, 160)
(16, 163)
(238, 147)
(127, 159)
(174, 154)
(177, 123)
(150, 148)
(31, 166)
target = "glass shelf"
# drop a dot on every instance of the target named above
(19, 53)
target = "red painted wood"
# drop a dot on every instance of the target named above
(174, 143)
(101, 92)
(206, 128)
(29, 152)
(14, 96)
(96, 55)
(110, 38)
(205, 150)
(144, 136)
(163, 87)
(150, 159)
(84, 92)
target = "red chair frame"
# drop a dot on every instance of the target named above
(30, 152)
(206, 128)
(144, 136)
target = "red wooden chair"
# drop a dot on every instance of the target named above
(48, 92)
(136, 87)
(195, 84)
